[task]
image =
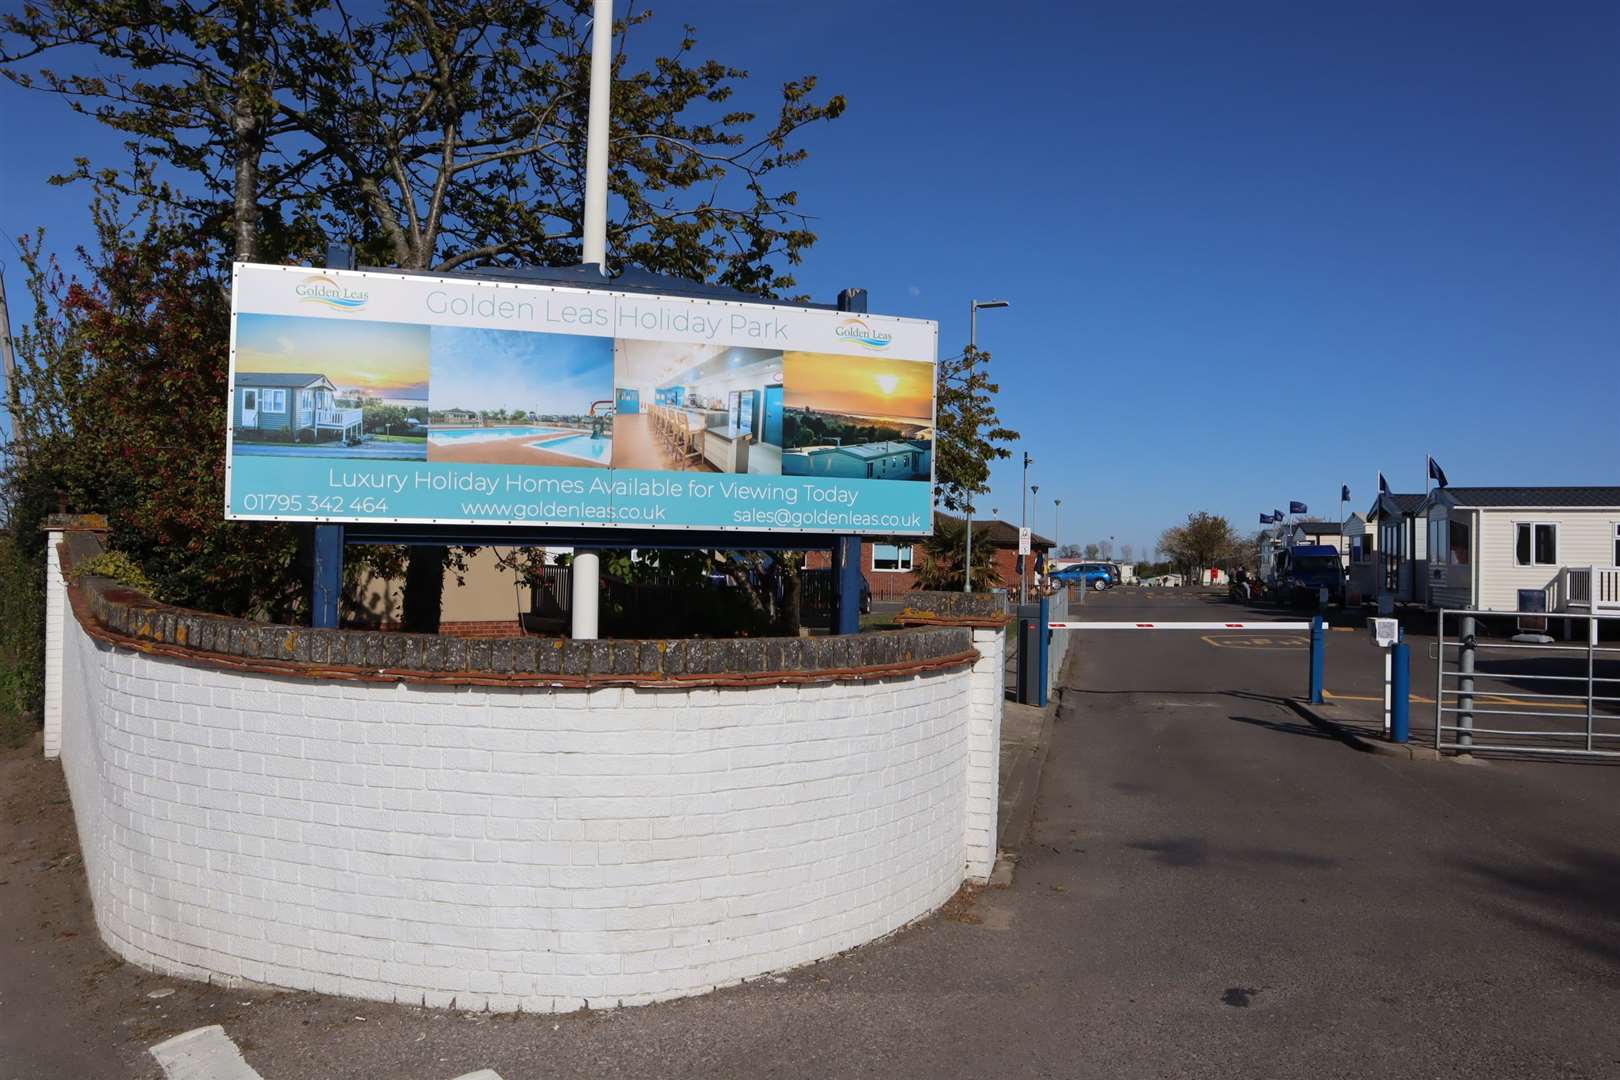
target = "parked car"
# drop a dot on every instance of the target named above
(1304, 570)
(1097, 576)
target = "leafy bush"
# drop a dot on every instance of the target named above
(121, 402)
(119, 567)
(22, 642)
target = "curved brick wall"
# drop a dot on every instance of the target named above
(515, 847)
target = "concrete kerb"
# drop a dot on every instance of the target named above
(1329, 718)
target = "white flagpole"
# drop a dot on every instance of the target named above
(587, 566)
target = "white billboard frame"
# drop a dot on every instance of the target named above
(917, 338)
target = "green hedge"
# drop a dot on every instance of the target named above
(22, 642)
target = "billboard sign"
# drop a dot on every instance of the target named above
(363, 396)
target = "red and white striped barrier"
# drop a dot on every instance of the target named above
(1178, 625)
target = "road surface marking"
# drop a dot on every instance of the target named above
(1479, 699)
(207, 1053)
(1277, 644)
(204, 1053)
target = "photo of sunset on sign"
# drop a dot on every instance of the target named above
(313, 386)
(857, 416)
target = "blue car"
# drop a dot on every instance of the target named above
(1097, 576)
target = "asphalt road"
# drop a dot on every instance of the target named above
(1212, 889)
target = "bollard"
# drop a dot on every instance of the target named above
(1400, 718)
(1318, 640)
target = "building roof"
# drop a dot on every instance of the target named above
(877, 449)
(1573, 497)
(1398, 504)
(1326, 528)
(1001, 533)
(276, 378)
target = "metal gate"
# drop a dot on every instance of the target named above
(1525, 695)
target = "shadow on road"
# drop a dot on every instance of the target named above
(1571, 897)
(1284, 727)
(1195, 851)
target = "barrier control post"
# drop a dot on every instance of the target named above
(1400, 719)
(1318, 641)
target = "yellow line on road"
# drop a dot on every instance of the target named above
(1479, 699)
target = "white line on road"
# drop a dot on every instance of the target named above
(204, 1053)
(207, 1053)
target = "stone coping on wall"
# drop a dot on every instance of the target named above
(939, 637)
(987, 610)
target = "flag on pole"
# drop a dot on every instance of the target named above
(1297, 508)
(1436, 473)
(1265, 519)
(1276, 515)
(1383, 485)
(1344, 492)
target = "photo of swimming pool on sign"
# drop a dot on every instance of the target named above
(512, 397)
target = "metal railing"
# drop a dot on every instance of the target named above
(1538, 696)
(551, 591)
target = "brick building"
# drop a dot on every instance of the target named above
(888, 563)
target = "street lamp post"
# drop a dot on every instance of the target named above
(973, 344)
(1035, 504)
(1023, 522)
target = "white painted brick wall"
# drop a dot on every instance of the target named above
(507, 849)
(55, 606)
(982, 775)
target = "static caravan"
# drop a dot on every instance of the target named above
(1491, 543)
(292, 407)
(1394, 551)
(890, 460)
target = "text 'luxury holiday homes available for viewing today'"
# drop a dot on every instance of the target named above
(373, 396)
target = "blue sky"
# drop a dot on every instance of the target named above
(1253, 251)
(512, 369)
(389, 360)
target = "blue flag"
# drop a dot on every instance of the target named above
(1383, 485)
(1297, 508)
(1276, 515)
(1436, 473)
(1344, 492)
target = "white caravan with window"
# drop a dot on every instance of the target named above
(1487, 544)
